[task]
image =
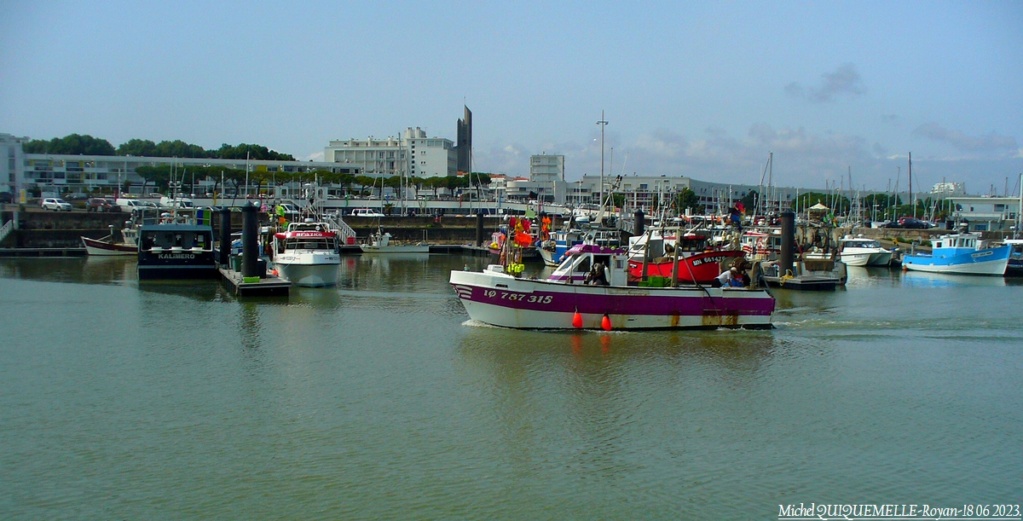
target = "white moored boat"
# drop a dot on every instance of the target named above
(569, 298)
(306, 254)
(861, 251)
(380, 242)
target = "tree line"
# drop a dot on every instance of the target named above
(78, 144)
(232, 181)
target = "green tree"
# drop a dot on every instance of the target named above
(72, 144)
(246, 151)
(137, 147)
(686, 199)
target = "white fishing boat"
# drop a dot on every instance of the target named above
(590, 290)
(306, 254)
(380, 243)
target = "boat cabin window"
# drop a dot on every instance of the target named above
(308, 243)
(583, 265)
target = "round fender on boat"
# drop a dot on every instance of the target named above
(577, 320)
(605, 323)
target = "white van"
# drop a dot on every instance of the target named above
(128, 205)
(366, 212)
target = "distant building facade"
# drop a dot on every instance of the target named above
(79, 174)
(413, 154)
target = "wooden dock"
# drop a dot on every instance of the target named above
(260, 287)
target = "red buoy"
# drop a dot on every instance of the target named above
(577, 320)
(605, 323)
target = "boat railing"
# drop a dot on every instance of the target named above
(6, 229)
(343, 229)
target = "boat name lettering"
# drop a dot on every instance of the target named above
(306, 234)
(716, 258)
(176, 256)
(519, 297)
(982, 254)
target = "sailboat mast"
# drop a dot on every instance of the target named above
(602, 123)
(1019, 209)
(911, 200)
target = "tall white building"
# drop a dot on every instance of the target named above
(413, 154)
(546, 181)
(12, 157)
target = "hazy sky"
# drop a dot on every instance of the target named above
(704, 89)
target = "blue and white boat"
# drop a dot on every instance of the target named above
(553, 250)
(961, 253)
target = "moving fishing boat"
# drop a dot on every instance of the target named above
(961, 253)
(306, 254)
(591, 290)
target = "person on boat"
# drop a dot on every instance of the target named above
(725, 278)
(596, 276)
(279, 210)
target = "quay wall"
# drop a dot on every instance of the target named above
(44, 229)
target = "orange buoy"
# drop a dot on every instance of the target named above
(577, 320)
(605, 323)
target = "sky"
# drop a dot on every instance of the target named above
(837, 93)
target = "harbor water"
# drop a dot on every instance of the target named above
(377, 399)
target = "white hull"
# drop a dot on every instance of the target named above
(866, 258)
(94, 247)
(547, 256)
(309, 269)
(315, 275)
(880, 259)
(974, 268)
(501, 300)
(856, 259)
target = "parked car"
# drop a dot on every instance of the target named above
(912, 223)
(366, 212)
(100, 204)
(291, 212)
(56, 204)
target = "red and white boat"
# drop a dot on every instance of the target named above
(306, 254)
(562, 301)
(106, 247)
(699, 262)
(128, 245)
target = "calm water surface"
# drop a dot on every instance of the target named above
(378, 400)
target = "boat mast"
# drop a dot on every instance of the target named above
(602, 123)
(911, 200)
(1019, 209)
